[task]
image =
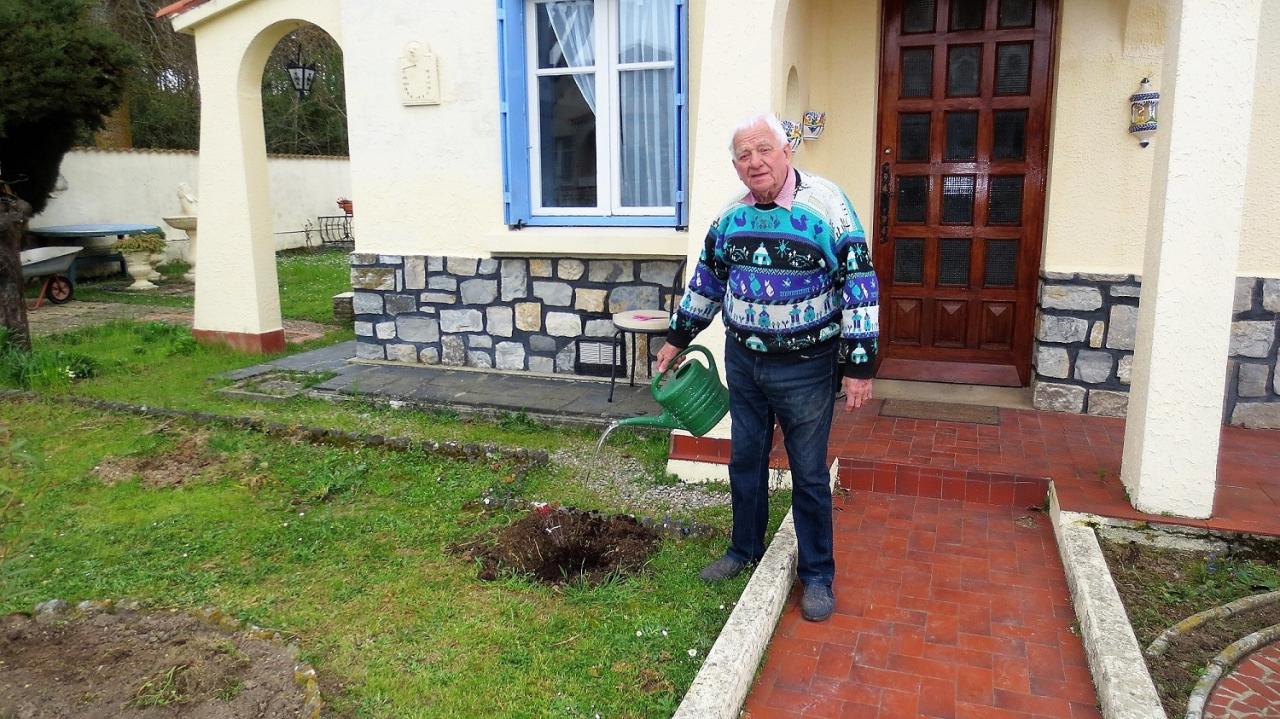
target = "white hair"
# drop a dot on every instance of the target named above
(768, 119)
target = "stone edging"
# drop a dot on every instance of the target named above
(526, 459)
(1124, 686)
(303, 673)
(1239, 606)
(722, 683)
(1221, 664)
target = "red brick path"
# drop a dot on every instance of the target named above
(1080, 453)
(946, 606)
(1251, 690)
(943, 609)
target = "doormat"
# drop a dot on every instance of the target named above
(944, 411)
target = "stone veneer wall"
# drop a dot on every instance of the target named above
(1085, 335)
(504, 313)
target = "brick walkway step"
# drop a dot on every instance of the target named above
(944, 609)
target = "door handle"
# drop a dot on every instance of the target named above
(885, 196)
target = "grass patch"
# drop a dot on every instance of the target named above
(162, 690)
(308, 281)
(42, 368)
(1160, 587)
(346, 548)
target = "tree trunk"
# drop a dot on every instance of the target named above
(13, 308)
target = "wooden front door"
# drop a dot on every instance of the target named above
(963, 141)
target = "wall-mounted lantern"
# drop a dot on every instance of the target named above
(1143, 105)
(301, 74)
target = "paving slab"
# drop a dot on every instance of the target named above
(570, 400)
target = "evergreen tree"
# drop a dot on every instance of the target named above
(60, 73)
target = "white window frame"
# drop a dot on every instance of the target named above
(606, 71)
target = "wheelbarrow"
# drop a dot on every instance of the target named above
(51, 264)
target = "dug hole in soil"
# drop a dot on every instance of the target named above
(563, 545)
(141, 666)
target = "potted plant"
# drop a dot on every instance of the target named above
(345, 205)
(137, 250)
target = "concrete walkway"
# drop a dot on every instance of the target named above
(51, 319)
(562, 400)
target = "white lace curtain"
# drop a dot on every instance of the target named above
(572, 21)
(645, 96)
(646, 101)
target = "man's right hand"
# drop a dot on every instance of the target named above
(666, 354)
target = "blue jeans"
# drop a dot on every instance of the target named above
(799, 391)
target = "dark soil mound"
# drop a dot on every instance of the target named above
(563, 545)
(140, 666)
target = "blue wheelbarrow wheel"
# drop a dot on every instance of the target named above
(59, 290)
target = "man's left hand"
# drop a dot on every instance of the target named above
(856, 392)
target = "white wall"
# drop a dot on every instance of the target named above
(427, 180)
(140, 186)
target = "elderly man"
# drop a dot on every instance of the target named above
(788, 268)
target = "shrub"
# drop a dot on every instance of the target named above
(148, 242)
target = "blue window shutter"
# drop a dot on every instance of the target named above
(513, 104)
(682, 113)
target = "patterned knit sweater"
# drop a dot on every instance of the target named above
(785, 281)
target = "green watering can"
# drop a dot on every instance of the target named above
(690, 394)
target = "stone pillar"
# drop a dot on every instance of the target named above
(1184, 321)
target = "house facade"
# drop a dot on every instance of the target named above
(522, 169)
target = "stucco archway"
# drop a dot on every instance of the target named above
(237, 301)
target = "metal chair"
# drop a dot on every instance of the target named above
(646, 323)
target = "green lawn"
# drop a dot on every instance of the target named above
(308, 281)
(343, 547)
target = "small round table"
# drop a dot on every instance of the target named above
(88, 231)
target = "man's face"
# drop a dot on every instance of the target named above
(761, 161)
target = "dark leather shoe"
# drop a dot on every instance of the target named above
(721, 569)
(818, 602)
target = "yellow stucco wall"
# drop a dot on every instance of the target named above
(1099, 178)
(1260, 245)
(1099, 181)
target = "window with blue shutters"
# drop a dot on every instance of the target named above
(594, 111)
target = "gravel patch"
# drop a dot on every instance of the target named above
(628, 481)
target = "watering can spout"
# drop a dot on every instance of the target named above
(662, 421)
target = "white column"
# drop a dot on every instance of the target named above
(235, 267)
(1193, 239)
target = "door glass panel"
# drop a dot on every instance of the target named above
(967, 14)
(917, 16)
(917, 72)
(1000, 266)
(912, 198)
(962, 136)
(1005, 200)
(1017, 13)
(1010, 135)
(963, 65)
(957, 199)
(913, 137)
(908, 261)
(568, 127)
(953, 262)
(1013, 68)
